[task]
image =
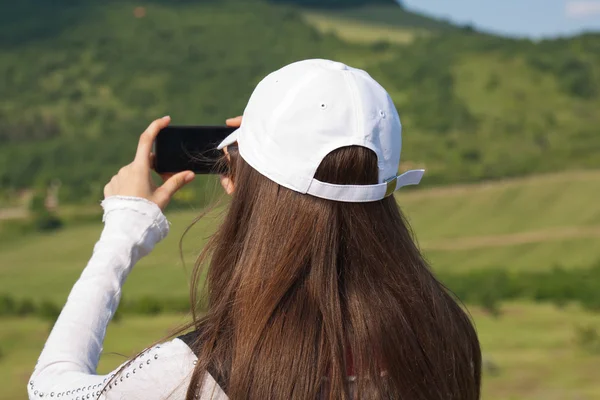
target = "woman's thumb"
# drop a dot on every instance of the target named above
(172, 185)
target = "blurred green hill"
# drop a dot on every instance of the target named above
(80, 79)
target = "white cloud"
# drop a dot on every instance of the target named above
(582, 8)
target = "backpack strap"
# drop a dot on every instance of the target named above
(192, 338)
(189, 339)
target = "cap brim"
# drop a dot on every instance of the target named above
(229, 140)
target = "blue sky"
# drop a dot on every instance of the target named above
(530, 18)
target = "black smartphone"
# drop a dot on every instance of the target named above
(193, 148)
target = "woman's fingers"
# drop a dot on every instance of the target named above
(135, 179)
(142, 156)
(163, 194)
(165, 177)
(234, 122)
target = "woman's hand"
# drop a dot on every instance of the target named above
(226, 181)
(135, 179)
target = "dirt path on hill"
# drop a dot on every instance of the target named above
(12, 213)
(541, 236)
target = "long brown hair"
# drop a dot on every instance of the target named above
(303, 292)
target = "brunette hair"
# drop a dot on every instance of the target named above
(309, 298)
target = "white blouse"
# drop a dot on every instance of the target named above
(66, 368)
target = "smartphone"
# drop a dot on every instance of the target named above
(189, 148)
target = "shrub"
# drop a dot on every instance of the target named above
(145, 306)
(491, 303)
(43, 219)
(117, 316)
(487, 288)
(559, 286)
(577, 78)
(489, 366)
(47, 221)
(48, 310)
(381, 45)
(8, 306)
(492, 83)
(588, 339)
(25, 308)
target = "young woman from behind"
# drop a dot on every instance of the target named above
(315, 287)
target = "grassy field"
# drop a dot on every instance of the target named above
(361, 31)
(530, 223)
(389, 16)
(534, 349)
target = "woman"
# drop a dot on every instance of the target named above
(315, 286)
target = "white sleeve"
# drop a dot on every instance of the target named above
(66, 368)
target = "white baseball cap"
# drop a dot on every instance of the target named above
(304, 111)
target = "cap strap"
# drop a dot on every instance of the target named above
(412, 177)
(363, 193)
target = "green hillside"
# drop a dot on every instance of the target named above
(81, 78)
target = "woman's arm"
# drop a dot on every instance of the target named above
(67, 365)
(134, 223)
(71, 354)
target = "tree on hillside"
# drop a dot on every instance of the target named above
(42, 207)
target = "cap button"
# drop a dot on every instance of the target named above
(339, 65)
